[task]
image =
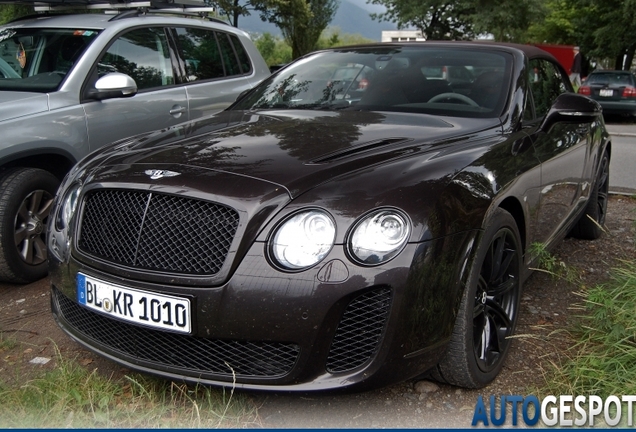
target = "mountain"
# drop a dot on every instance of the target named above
(352, 17)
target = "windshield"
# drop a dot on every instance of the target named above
(37, 60)
(408, 79)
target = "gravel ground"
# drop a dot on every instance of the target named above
(546, 308)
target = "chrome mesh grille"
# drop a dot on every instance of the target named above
(360, 330)
(157, 232)
(192, 355)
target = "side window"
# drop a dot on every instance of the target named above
(244, 59)
(546, 84)
(229, 57)
(143, 54)
(201, 54)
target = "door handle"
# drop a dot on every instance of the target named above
(177, 110)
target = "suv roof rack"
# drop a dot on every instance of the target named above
(163, 6)
(122, 8)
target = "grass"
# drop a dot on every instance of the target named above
(549, 263)
(73, 397)
(602, 360)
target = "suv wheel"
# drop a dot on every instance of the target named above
(26, 198)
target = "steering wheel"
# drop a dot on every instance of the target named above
(457, 96)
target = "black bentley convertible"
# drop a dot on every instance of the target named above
(357, 219)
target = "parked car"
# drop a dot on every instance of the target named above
(614, 90)
(301, 240)
(71, 83)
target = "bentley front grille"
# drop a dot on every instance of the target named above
(153, 231)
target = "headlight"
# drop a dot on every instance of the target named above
(378, 237)
(68, 206)
(303, 240)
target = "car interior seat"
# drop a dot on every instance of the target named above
(487, 88)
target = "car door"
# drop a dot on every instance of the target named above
(216, 69)
(563, 151)
(145, 55)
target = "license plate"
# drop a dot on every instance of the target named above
(606, 93)
(136, 306)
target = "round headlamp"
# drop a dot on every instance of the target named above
(378, 237)
(303, 240)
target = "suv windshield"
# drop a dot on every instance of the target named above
(37, 60)
(389, 79)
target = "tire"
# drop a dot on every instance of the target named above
(26, 198)
(588, 227)
(489, 308)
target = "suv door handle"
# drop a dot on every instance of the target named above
(177, 110)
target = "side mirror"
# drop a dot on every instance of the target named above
(572, 108)
(113, 85)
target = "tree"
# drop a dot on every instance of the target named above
(506, 20)
(300, 21)
(604, 29)
(436, 19)
(10, 12)
(232, 9)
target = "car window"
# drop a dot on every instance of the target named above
(142, 54)
(229, 56)
(39, 59)
(392, 79)
(610, 78)
(244, 59)
(546, 84)
(201, 54)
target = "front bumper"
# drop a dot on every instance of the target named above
(336, 325)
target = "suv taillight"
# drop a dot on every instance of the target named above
(629, 92)
(585, 90)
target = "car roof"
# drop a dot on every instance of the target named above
(100, 21)
(529, 51)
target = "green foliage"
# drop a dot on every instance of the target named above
(70, 396)
(604, 29)
(333, 37)
(300, 21)
(436, 19)
(507, 21)
(549, 263)
(11, 12)
(233, 9)
(603, 359)
(276, 51)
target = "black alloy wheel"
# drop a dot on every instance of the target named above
(496, 300)
(489, 308)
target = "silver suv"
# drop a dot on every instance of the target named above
(71, 83)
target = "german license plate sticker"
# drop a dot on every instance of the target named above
(137, 306)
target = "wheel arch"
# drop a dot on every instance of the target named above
(57, 162)
(513, 206)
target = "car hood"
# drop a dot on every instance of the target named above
(20, 104)
(295, 149)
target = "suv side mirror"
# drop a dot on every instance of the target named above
(113, 85)
(572, 108)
